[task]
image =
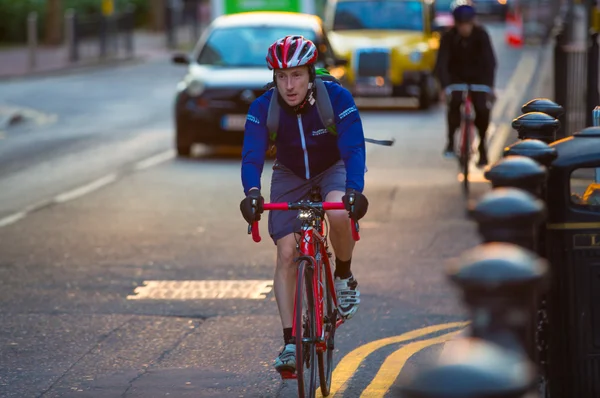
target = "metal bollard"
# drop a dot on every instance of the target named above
(130, 28)
(536, 125)
(500, 283)
(32, 38)
(70, 39)
(476, 369)
(543, 105)
(518, 172)
(534, 149)
(509, 215)
(543, 154)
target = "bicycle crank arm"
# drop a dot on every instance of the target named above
(380, 142)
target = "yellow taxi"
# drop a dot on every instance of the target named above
(391, 46)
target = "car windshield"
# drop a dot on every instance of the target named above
(244, 46)
(380, 15)
(443, 5)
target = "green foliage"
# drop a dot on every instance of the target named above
(13, 14)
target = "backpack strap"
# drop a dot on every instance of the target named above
(324, 107)
(273, 116)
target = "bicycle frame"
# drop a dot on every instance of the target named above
(309, 239)
(466, 137)
(312, 234)
(467, 127)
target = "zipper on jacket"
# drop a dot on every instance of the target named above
(304, 147)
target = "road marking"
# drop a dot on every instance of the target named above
(509, 104)
(393, 364)
(475, 175)
(496, 148)
(154, 160)
(85, 189)
(207, 289)
(351, 362)
(449, 345)
(13, 218)
(519, 79)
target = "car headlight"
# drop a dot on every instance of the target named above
(195, 88)
(415, 56)
(338, 72)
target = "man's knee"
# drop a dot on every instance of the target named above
(337, 218)
(286, 250)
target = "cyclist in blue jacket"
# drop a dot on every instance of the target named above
(307, 155)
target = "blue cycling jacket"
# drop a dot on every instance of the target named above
(303, 144)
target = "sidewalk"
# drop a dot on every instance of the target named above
(14, 62)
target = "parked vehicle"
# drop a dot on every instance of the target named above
(227, 70)
(391, 46)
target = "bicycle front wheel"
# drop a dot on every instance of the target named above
(306, 366)
(465, 151)
(329, 323)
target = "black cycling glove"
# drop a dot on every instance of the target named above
(356, 203)
(252, 206)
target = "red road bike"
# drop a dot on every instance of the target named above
(465, 141)
(316, 317)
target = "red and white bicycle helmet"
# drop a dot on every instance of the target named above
(290, 52)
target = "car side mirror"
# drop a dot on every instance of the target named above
(181, 58)
(340, 62)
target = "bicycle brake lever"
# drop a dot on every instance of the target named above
(249, 229)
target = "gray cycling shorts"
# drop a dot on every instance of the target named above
(288, 187)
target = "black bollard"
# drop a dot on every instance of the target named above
(475, 369)
(537, 150)
(543, 105)
(544, 155)
(509, 215)
(500, 283)
(536, 125)
(517, 172)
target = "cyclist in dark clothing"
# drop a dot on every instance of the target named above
(466, 55)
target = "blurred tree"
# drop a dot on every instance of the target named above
(54, 18)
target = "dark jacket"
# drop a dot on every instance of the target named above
(466, 60)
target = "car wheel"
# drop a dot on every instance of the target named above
(183, 143)
(184, 150)
(424, 95)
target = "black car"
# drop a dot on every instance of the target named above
(227, 70)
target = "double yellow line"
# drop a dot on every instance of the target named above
(391, 367)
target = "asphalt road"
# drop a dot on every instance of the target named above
(73, 262)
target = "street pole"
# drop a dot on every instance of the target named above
(70, 38)
(108, 11)
(32, 39)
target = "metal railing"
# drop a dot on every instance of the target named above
(576, 67)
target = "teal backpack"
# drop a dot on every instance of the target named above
(324, 106)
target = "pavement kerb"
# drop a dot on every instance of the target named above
(79, 68)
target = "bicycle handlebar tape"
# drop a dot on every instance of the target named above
(255, 232)
(355, 230)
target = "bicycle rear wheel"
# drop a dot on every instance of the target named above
(306, 366)
(329, 324)
(465, 152)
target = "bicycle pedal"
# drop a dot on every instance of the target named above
(286, 374)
